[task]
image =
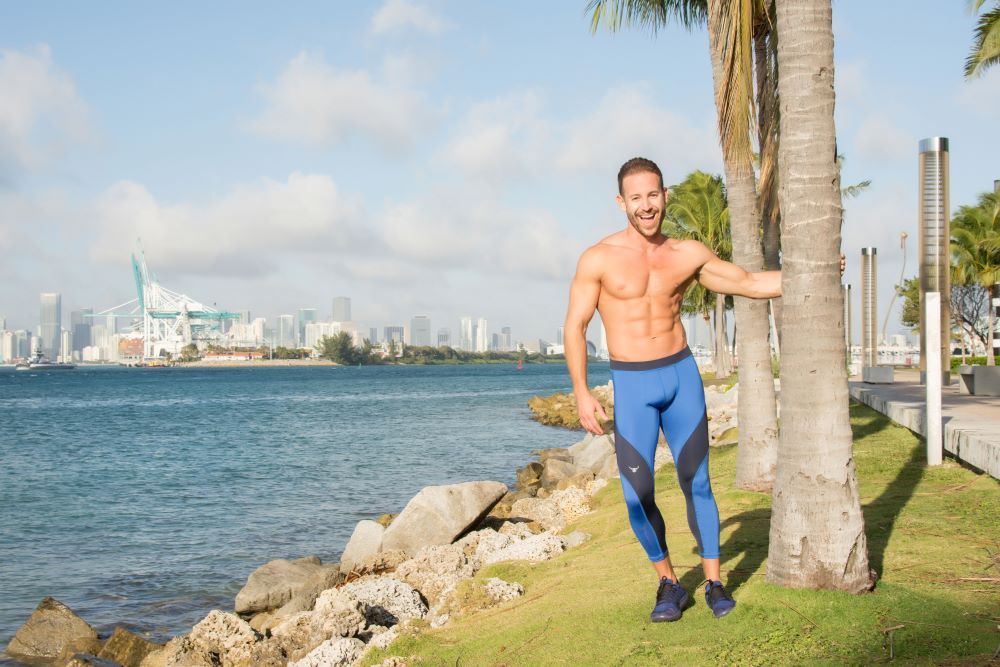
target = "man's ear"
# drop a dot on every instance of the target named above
(666, 195)
(621, 202)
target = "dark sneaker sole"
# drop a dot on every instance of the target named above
(720, 614)
(681, 606)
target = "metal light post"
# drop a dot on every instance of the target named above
(870, 370)
(934, 248)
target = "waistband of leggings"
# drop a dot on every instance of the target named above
(652, 363)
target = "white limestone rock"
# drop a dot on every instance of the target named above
(341, 652)
(386, 600)
(439, 514)
(273, 584)
(502, 591)
(591, 457)
(435, 570)
(365, 541)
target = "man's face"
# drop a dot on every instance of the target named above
(644, 201)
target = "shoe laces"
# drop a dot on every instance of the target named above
(668, 590)
(715, 591)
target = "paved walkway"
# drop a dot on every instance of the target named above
(971, 423)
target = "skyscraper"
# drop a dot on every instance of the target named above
(506, 344)
(80, 327)
(285, 335)
(341, 309)
(420, 330)
(373, 335)
(50, 324)
(395, 334)
(306, 315)
(465, 340)
(482, 336)
(444, 336)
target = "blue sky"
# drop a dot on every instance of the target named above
(421, 156)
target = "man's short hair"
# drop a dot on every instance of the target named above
(635, 166)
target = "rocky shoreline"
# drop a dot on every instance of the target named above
(398, 574)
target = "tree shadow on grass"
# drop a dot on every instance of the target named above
(874, 421)
(882, 512)
(748, 542)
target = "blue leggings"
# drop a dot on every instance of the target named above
(664, 393)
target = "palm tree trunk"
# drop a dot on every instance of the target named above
(756, 407)
(817, 536)
(990, 361)
(723, 363)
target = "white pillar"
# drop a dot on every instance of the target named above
(932, 331)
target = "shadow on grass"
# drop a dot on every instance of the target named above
(749, 541)
(873, 424)
(882, 512)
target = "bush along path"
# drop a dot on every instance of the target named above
(933, 535)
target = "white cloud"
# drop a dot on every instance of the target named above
(879, 140)
(40, 112)
(404, 15)
(264, 227)
(512, 137)
(626, 124)
(486, 237)
(313, 102)
(501, 139)
(246, 233)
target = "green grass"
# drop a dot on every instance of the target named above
(933, 537)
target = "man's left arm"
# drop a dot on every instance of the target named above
(726, 278)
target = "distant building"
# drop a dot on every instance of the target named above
(7, 349)
(465, 339)
(506, 344)
(80, 322)
(66, 345)
(559, 335)
(373, 335)
(394, 333)
(602, 351)
(420, 331)
(50, 324)
(444, 337)
(482, 333)
(286, 333)
(316, 331)
(306, 315)
(341, 309)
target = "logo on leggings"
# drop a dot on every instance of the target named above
(634, 470)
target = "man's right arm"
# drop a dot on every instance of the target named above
(583, 295)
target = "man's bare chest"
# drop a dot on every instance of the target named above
(645, 277)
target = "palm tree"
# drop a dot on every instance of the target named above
(732, 25)
(698, 209)
(975, 251)
(985, 42)
(817, 535)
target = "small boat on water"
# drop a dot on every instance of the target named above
(40, 362)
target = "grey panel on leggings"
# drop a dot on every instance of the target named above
(694, 452)
(634, 468)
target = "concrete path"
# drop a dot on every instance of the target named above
(971, 423)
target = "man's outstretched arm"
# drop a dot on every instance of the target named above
(583, 294)
(725, 277)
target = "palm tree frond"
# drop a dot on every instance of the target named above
(985, 43)
(730, 23)
(852, 191)
(651, 14)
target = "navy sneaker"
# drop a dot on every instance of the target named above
(717, 599)
(671, 598)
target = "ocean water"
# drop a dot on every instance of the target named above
(146, 497)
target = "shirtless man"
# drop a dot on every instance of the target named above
(636, 279)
